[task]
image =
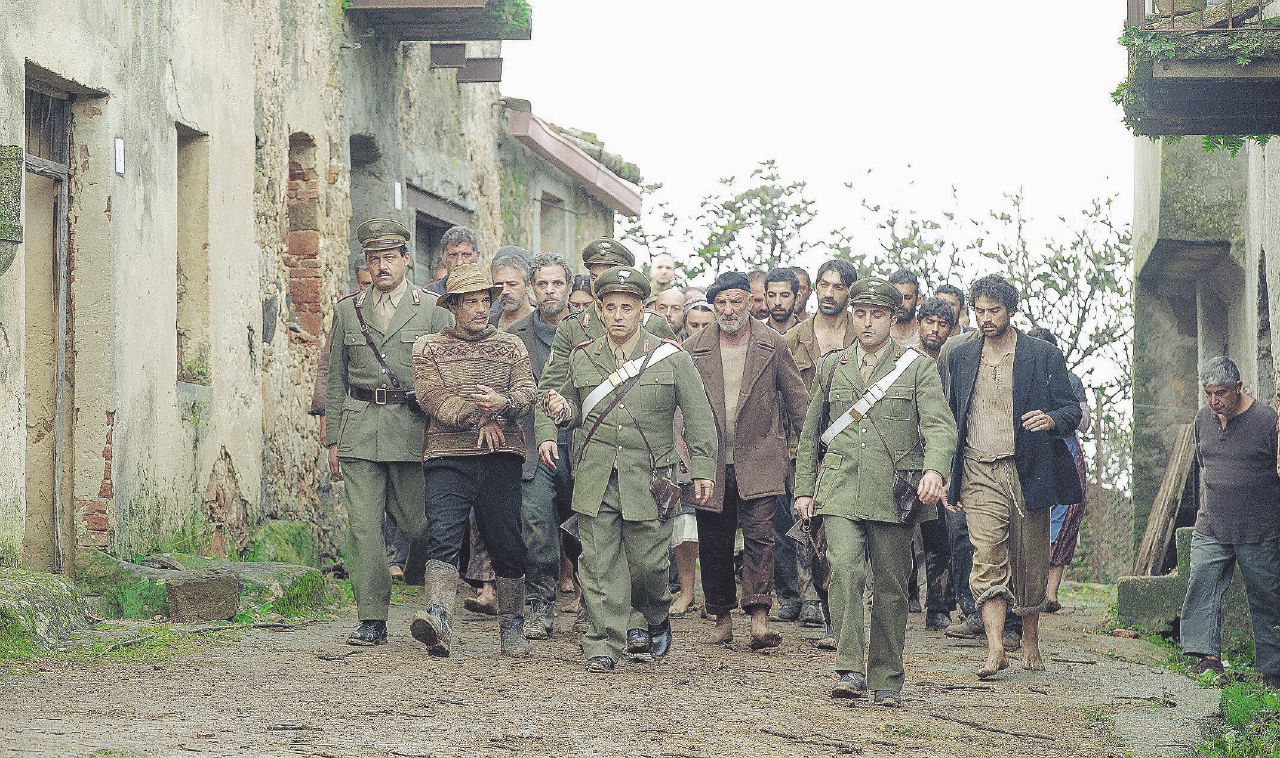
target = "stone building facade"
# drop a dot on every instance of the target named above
(179, 189)
(1206, 234)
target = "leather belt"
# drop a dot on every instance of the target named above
(379, 395)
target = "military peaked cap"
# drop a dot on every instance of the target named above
(382, 234)
(623, 279)
(607, 250)
(875, 290)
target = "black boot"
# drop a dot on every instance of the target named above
(511, 617)
(638, 642)
(660, 638)
(432, 628)
(369, 633)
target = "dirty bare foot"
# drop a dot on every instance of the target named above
(485, 601)
(722, 632)
(762, 637)
(995, 663)
(1031, 660)
(680, 605)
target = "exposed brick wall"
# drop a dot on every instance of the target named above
(302, 241)
(93, 514)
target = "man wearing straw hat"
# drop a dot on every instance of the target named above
(375, 427)
(475, 383)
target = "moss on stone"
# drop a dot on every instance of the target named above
(36, 611)
(127, 590)
(283, 542)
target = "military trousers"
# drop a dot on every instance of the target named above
(623, 565)
(546, 500)
(857, 551)
(372, 488)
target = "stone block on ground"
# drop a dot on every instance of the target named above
(209, 595)
(1154, 603)
(37, 611)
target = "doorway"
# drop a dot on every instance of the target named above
(48, 381)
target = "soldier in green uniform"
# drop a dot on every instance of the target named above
(375, 428)
(599, 256)
(621, 391)
(877, 415)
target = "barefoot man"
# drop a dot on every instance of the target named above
(1013, 403)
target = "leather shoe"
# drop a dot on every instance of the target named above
(850, 685)
(968, 628)
(660, 638)
(600, 664)
(936, 622)
(638, 642)
(888, 698)
(787, 612)
(811, 614)
(369, 633)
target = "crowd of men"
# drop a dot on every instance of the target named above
(615, 444)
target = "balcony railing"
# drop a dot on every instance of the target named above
(1203, 16)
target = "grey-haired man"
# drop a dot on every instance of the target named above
(1238, 522)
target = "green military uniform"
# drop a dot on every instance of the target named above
(852, 489)
(378, 430)
(624, 547)
(587, 325)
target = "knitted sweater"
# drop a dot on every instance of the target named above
(448, 366)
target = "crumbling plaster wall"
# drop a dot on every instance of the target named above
(137, 69)
(525, 177)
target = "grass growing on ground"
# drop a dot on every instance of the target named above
(1251, 713)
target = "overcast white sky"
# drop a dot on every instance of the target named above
(988, 96)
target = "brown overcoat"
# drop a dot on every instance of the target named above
(771, 405)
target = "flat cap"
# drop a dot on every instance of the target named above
(623, 279)
(382, 234)
(875, 290)
(466, 278)
(729, 280)
(607, 250)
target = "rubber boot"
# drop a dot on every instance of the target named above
(511, 617)
(432, 628)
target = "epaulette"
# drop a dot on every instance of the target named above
(580, 345)
(672, 342)
(347, 296)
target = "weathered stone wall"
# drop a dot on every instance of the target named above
(1202, 223)
(525, 179)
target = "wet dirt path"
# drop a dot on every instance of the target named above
(303, 692)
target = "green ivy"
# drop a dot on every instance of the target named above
(1241, 47)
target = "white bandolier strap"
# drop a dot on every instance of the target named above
(870, 397)
(628, 370)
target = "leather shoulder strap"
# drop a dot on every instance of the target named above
(368, 338)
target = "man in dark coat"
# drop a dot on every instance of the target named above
(1013, 405)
